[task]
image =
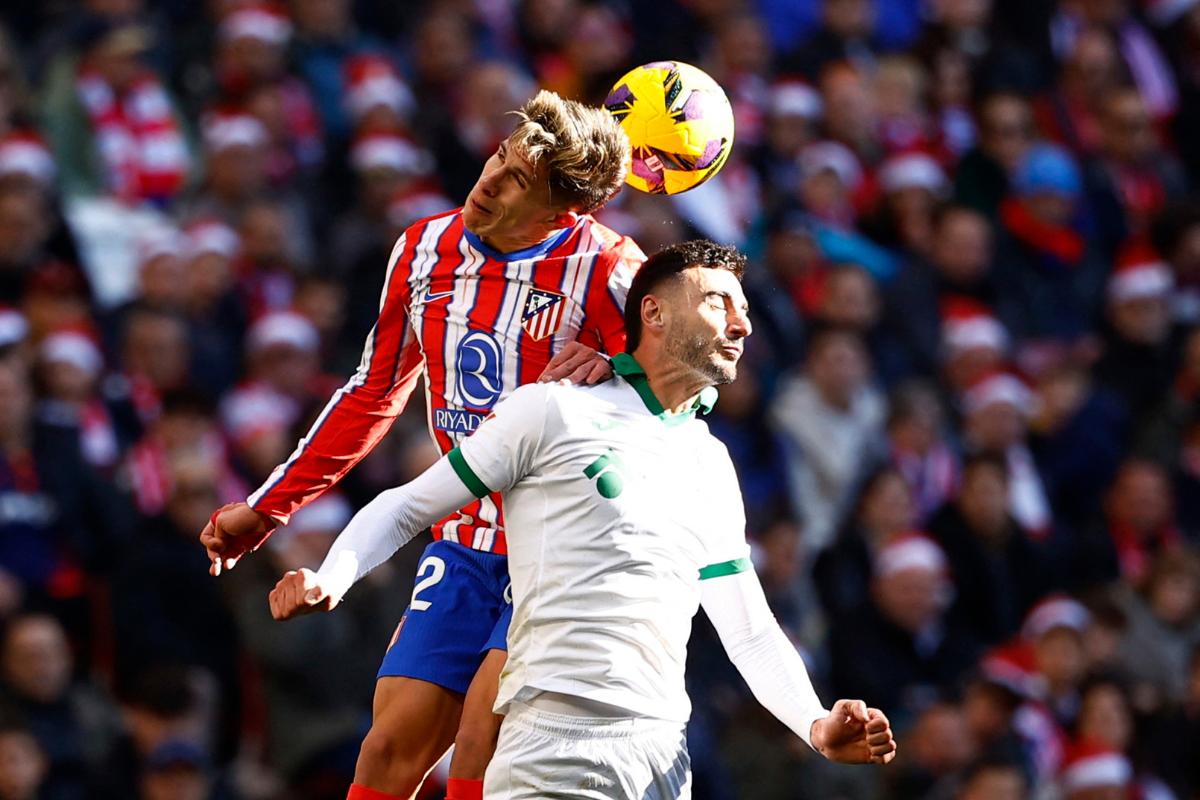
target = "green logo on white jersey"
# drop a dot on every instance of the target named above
(607, 470)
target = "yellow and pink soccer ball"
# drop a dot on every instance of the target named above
(679, 123)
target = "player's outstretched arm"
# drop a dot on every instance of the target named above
(382, 527)
(775, 672)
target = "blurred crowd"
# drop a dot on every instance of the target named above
(967, 428)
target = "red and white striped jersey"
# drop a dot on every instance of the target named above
(481, 323)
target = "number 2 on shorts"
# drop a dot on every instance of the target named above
(436, 569)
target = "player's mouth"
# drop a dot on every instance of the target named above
(731, 351)
(475, 205)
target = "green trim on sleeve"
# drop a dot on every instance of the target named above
(725, 568)
(466, 474)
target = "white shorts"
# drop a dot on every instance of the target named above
(545, 755)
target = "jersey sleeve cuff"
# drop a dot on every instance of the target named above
(725, 568)
(467, 475)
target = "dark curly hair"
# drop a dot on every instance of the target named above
(666, 265)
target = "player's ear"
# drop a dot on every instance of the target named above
(652, 312)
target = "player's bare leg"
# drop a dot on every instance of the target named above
(413, 724)
(477, 730)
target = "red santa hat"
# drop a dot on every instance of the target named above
(835, 157)
(968, 324)
(263, 21)
(372, 81)
(1012, 667)
(1054, 612)
(913, 170)
(1139, 274)
(389, 151)
(793, 98)
(1165, 12)
(1092, 765)
(24, 153)
(73, 346)
(286, 328)
(910, 551)
(998, 386)
(211, 236)
(13, 326)
(223, 130)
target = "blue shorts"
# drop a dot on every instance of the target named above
(460, 609)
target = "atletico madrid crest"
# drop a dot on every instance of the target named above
(543, 313)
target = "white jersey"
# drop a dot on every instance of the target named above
(616, 510)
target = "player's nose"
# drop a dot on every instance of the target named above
(739, 326)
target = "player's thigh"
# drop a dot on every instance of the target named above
(480, 725)
(415, 716)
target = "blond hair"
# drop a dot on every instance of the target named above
(584, 148)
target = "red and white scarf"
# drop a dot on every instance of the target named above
(139, 143)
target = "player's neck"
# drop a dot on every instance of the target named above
(514, 242)
(675, 384)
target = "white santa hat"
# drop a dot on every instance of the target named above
(26, 154)
(998, 387)
(913, 171)
(388, 151)
(267, 23)
(222, 131)
(72, 347)
(283, 328)
(158, 242)
(371, 81)
(912, 551)
(1139, 274)
(821, 156)
(13, 326)
(1056, 611)
(211, 236)
(410, 206)
(968, 324)
(795, 99)
(1092, 765)
(329, 512)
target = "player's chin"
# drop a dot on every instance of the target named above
(722, 370)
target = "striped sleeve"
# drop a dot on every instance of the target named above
(362, 411)
(608, 285)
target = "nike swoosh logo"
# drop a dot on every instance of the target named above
(431, 297)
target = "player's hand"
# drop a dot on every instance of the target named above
(234, 530)
(299, 592)
(579, 364)
(854, 734)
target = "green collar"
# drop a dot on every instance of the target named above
(628, 368)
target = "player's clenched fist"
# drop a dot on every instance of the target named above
(854, 734)
(300, 592)
(234, 530)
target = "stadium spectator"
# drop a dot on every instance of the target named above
(832, 418)
(74, 723)
(23, 763)
(998, 568)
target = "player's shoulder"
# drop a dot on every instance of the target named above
(414, 231)
(605, 240)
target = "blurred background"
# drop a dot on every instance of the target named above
(967, 429)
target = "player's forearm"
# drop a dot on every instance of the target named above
(354, 422)
(764, 656)
(388, 523)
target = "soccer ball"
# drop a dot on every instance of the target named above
(679, 123)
